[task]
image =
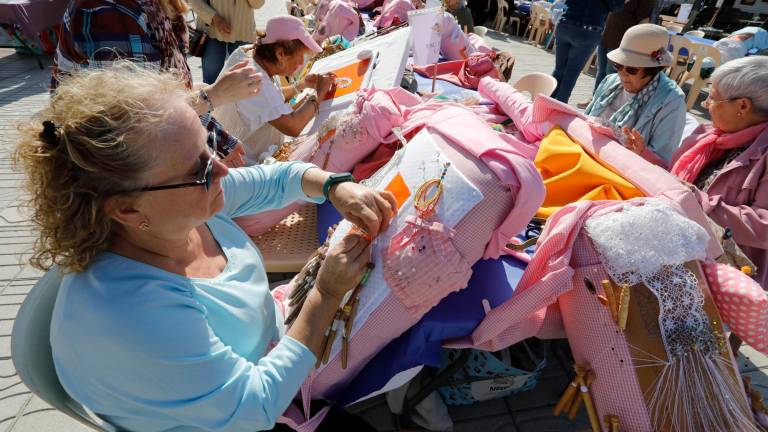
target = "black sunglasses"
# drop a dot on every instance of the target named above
(628, 69)
(205, 177)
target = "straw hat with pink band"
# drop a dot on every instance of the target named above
(285, 28)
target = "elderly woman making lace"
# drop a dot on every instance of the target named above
(164, 320)
(727, 161)
(263, 121)
(647, 106)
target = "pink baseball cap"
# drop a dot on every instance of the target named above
(287, 27)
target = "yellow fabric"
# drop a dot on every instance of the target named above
(571, 174)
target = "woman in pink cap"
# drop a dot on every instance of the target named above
(263, 121)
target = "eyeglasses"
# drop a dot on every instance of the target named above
(709, 102)
(628, 69)
(205, 177)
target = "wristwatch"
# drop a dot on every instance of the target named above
(335, 179)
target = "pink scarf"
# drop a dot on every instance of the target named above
(711, 147)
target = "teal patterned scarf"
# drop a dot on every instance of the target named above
(628, 114)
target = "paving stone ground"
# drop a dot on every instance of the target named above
(23, 92)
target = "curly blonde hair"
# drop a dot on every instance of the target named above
(87, 145)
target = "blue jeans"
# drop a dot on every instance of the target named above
(214, 56)
(574, 44)
(604, 67)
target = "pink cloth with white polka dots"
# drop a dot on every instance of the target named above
(741, 301)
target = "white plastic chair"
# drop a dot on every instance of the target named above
(540, 26)
(501, 15)
(532, 20)
(700, 52)
(31, 352)
(682, 49)
(481, 31)
(536, 83)
(516, 21)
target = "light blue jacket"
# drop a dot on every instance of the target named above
(663, 118)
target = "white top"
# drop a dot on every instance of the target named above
(249, 119)
(617, 102)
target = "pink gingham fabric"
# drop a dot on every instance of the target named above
(508, 159)
(421, 265)
(477, 229)
(741, 301)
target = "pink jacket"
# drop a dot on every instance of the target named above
(738, 198)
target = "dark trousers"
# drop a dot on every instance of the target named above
(214, 56)
(604, 67)
(574, 45)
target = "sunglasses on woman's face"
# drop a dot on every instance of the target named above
(628, 69)
(205, 176)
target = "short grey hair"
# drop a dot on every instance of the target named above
(745, 77)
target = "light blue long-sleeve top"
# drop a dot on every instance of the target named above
(150, 350)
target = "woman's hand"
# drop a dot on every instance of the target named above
(240, 82)
(370, 210)
(635, 141)
(343, 266)
(235, 158)
(323, 84)
(221, 24)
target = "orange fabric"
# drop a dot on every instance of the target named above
(398, 188)
(349, 78)
(571, 174)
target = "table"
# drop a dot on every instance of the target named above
(32, 17)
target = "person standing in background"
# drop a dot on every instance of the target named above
(634, 12)
(578, 33)
(231, 23)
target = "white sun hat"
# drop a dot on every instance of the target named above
(643, 45)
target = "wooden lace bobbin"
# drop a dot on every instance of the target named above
(305, 280)
(349, 313)
(570, 392)
(610, 294)
(612, 421)
(567, 397)
(594, 420)
(586, 381)
(623, 307)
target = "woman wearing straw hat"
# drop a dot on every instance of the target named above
(640, 99)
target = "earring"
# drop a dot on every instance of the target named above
(144, 226)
